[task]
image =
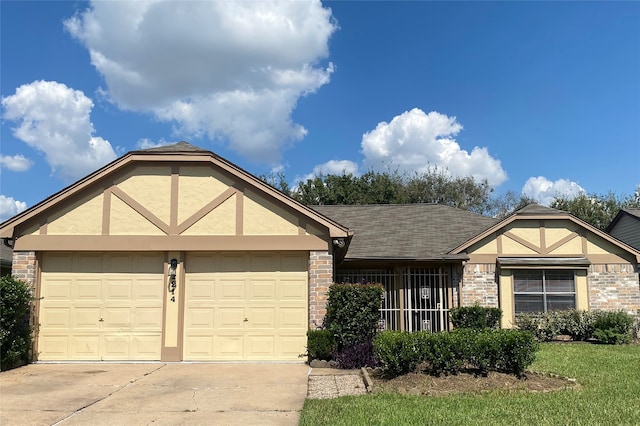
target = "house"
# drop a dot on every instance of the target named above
(431, 258)
(626, 227)
(175, 254)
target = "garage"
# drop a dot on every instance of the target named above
(173, 254)
(101, 306)
(245, 306)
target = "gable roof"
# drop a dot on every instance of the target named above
(536, 211)
(633, 214)
(405, 231)
(181, 151)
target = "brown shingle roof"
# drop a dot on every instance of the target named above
(405, 231)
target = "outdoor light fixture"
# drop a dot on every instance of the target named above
(173, 266)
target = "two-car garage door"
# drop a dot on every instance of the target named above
(109, 306)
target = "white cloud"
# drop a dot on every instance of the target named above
(16, 163)
(544, 190)
(10, 207)
(332, 167)
(227, 70)
(146, 143)
(55, 119)
(415, 141)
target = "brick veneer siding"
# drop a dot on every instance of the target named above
(24, 266)
(320, 278)
(614, 287)
(479, 285)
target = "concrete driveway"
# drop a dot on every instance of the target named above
(158, 393)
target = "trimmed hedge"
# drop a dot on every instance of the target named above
(353, 312)
(510, 351)
(475, 317)
(609, 327)
(15, 331)
(320, 345)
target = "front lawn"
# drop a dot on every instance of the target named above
(609, 395)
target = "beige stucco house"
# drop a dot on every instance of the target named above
(173, 253)
(431, 258)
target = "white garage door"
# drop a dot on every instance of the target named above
(101, 306)
(245, 306)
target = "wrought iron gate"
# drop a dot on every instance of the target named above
(426, 299)
(422, 301)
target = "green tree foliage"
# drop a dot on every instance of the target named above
(391, 187)
(15, 332)
(597, 210)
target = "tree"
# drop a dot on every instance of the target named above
(597, 210)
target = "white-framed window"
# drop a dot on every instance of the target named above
(544, 290)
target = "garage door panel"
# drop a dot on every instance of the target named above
(201, 289)
(292, 318)
(200, 317)
(85, 347)
(98, 310)
(86, 317)
(293, 290)
(144, 347)
(119, 318)
(56, 317)
(229, 346)
(116, 346)
(230, 318)
(57, 290)
(261, 290)
(260, 346)
(231, 289)
(117, 290)
(198, 348)
(147, 318)
(57, 346)
(264, 318)
(88, 290)
(289, 346)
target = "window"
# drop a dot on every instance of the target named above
(541, 290)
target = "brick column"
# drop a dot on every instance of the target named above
(320, 278)
(479, 285)
(24, 266)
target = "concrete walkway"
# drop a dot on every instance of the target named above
(158, 393)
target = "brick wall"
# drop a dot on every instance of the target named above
(614, 287)
(24, 266)
(320, 278)
(479, 285)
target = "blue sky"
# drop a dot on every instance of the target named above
(536, 97)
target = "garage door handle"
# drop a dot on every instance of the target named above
(101, 320)
(246, 319)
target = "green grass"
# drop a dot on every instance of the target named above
(609, 395)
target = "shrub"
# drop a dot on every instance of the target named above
(613, 327)
(320, 344)
(398, 352)
(353, 312)
(15, 331)
(517, 350)
(357, 355)
(475, 317)
(511, 351)
(579, 324)
(544, 326)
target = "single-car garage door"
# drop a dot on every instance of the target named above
(245, 306)
(101, 306)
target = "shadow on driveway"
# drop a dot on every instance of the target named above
(158, 393)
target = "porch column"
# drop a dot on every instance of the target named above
(320, 279)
